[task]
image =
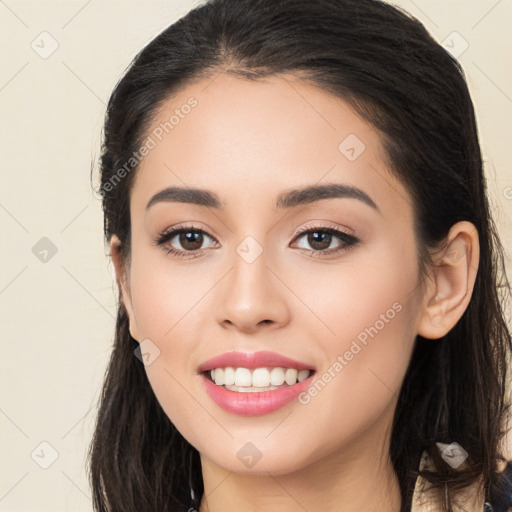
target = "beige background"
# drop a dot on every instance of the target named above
(58, 315)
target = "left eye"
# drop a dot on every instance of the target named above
(320, 240)
(191, 240)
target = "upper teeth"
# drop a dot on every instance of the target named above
(259, 377)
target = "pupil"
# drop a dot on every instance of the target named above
(324, 239)
(191, 240)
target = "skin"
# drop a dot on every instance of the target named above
(249, 142)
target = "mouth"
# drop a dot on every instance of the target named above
(252, 384)
(246, 380)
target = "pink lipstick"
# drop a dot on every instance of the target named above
(233, 381)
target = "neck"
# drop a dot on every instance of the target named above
(358, 476)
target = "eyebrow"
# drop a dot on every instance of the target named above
(288, 199)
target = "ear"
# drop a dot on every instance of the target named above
(123, 284)
(450, 286)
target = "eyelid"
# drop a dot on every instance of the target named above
(337, 231)
(172, 231)
(164, 237)
(347, 240)
(343, 229)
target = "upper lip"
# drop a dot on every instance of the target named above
(252, 360)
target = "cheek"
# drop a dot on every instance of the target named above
(371, 290)
(171, 305)
(359, 310)
(369, 308)
(166, 297)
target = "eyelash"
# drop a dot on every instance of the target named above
(348, 241)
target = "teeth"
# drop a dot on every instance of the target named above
(229, 376)
(277, 376)
(259, 379)
(302, 375)
(251, 389)
(290, 376)
(242, 377)
(219, 376)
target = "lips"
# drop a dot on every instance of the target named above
(256, 399)
(253, 360)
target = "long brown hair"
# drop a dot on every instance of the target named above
(386, 65)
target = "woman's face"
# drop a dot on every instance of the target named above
(249, 279)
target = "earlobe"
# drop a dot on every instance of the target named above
(451, 284)
(123, 286)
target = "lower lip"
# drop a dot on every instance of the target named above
(257, 403)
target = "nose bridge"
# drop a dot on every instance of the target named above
(253, 295)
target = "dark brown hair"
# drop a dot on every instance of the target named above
(386, 65)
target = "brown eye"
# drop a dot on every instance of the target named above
(183, 241)
(319, 240)
(191, 240)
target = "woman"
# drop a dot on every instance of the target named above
(308, 271)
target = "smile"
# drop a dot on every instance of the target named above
(253, 384)
(244, 380)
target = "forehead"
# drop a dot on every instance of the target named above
(249, 140)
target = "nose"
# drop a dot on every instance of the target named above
(252, 297)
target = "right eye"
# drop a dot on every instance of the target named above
(190, 238)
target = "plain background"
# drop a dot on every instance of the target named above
(57, 300)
